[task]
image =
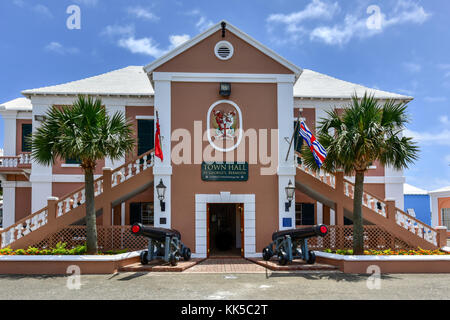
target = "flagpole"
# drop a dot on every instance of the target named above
(295, 131)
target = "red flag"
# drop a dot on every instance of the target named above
(158, 148)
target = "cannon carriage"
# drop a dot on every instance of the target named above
(163, 244)
(292, 244)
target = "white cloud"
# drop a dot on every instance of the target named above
(176, 40)
(428, 138)
(317, 9)
(118, 30)
(60, 49)
(444, 120)
(143, 13)
(145, 46)
(203, 22)
(90, 3)
(125, 37)
(37, 8)
(412, 67)
(353, 25)
(435, 99)
(149, 47)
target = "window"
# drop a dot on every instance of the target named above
(304, 214)
(147, 214)
(26, 132)
(73, 161)
(446, 217)
(142, 212)
(146, 135)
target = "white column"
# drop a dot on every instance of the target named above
(394, 181)
(286, 169)
(319, 212)
(111, 110)
(9, 203)
(434, 210)
(163, 170)
(122, 213)
(332, 217)
(41, 176)
(9, 147)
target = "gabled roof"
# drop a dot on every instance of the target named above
(313, 84)
(411, 190)
(19, 104)
(444, 189)
(192, 42)
(129, 81)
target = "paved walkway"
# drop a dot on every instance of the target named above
(226, 266)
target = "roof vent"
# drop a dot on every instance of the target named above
(224, 50)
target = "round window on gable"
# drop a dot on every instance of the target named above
(224, 50)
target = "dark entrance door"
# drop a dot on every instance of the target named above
(224, 229)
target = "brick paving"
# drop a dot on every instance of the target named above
(160, 266)
(226, 265)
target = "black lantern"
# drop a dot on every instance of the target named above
(161, 191)
(225, 89)
(290, 190)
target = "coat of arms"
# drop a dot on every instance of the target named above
(225, 124)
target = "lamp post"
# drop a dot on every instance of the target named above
(161, 191)
(290, 191)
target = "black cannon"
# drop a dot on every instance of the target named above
(293, 244)
(162, 244)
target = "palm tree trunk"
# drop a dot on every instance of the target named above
(91, 220)
(358, 230)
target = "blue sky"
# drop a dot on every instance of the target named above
(406, 52)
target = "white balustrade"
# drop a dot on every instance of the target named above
(22, 229)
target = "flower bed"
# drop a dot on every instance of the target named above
(59, 250)
(389, 252)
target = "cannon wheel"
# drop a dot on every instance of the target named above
(282, 258)
(267, 253)
(187, 254)
(311, 258)
(173, 259)
(144, 257)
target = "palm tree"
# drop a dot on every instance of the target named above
(84, 132)
(365, 132)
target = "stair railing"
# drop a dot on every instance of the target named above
(377, 205)
(73, 200)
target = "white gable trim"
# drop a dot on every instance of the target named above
(188, 44)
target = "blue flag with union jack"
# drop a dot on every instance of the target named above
(317, 149)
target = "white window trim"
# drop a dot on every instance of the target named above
(70, 165)
(145, 117)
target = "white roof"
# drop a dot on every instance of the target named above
(19, 104)
(409, 189)
(129, 81)
(444, 189)
(313, 84)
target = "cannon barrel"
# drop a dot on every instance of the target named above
(302, 233)
(159, 234)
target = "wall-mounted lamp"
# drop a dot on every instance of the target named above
(225, 89)
(39, 118)
(161, 191)
(290, 190)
